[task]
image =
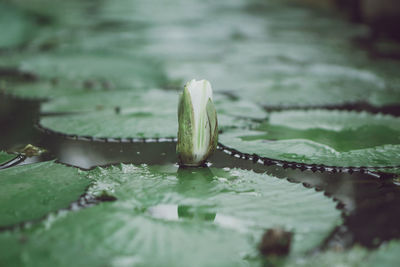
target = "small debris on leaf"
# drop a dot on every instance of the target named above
(31, 151)
(106, 197)
(275, 242)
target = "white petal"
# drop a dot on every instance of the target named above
(200, 93)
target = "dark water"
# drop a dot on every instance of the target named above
(370, 202)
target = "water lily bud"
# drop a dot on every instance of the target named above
(198, 125)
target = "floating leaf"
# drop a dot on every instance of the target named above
(351, 258)
(122, 71)
(74, 72)
(49, 88)
(17, 27)
(323, 137)
(119, 236)
(394, 170)
(386, 255)
(293, 85)
(4, 157)
(134, 114)
(193, 217)
(29, 192)
(131, 114)
(64, 13)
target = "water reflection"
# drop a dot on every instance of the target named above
(174, 212)
(164, 211)
(193, 182)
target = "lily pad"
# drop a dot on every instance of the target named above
(4, 157)
(53, 88)
(233, 199)
(274, 60)
(133, 114)
(322, 137)
(75, 72)
(385, 256)
(286, 63)
(124, 71)
(29, 192)
(155, 101)
(283, 84)
(196, 217)
(64, 13)
(17, 27)
(349, 258)
(317, 84)
(394, 170)
(119, 236)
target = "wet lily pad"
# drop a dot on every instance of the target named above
(133, 114)
(119, 236)
(111, 124)
(17, 27)
(233, 199)
(52, 88)
(121, 70)
(4, 157)
(29, 192)
(283, 67)
(385, 256)
(319, 84)
(193, 217)
(323, 137)
(283, 84)
(150, 101)
(64, 13)
(63, 73)
(286, 63)
(350, 258)
(395, 170)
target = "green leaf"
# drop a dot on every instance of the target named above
(4, 157)
(394, 170)
(386, 256)
(110, 124)
(17, 27)
(128, 102)
(322, 137)
(176, 217)
(354, 257)
(289, 84)
(118, 236)
(29, 192)
(134, 114)
(112, 114)
(69, 72)
(63, 13)
(122, 71)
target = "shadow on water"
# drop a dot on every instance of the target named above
(369, 203)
